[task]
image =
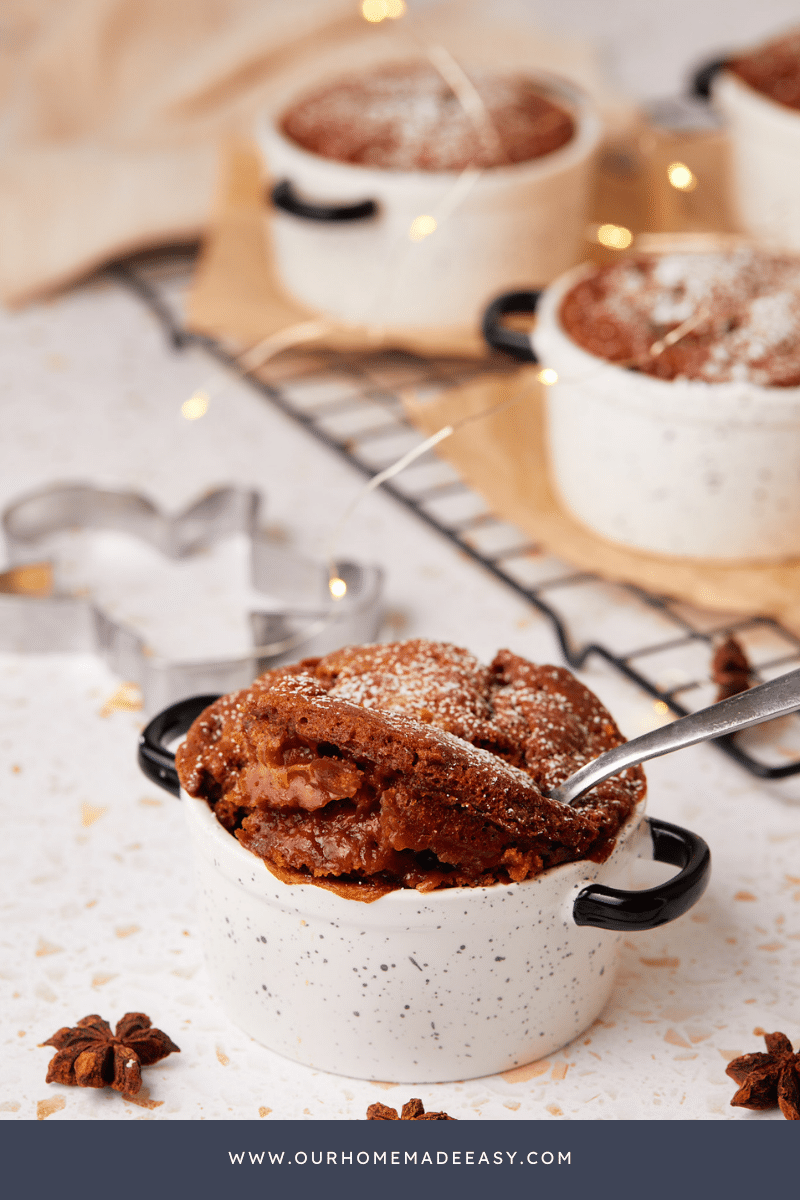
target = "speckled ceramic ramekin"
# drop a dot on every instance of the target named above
(417, 987)
(765, 160)
(341, 231)
(675, 467)
(412, 987)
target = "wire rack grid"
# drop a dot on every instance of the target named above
(351, 404)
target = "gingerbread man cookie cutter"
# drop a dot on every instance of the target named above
(309, 621)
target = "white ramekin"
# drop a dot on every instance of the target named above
(676, 467)
(449, 985)
(765, 160)
(512, 225)
(414, 987)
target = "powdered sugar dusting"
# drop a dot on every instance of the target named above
(404, 117)
(432, 682)
(746, 304)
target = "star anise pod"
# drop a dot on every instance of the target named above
(730, 670)
(769, 1079)
(412, 1111)
(90, 1055)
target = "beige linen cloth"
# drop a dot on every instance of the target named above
(113, 112)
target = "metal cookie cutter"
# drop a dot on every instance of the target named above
(311, 623)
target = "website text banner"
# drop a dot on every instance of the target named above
(393, 1160)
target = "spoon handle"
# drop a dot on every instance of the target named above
(774, 699)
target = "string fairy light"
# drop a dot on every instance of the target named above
(250, 360)
(613, 237)
(334, 581)
(196, 406)
(336, 585)
(653, 350)
(422, 227)
(473, 105)
(675, 335)
(427, 223)
(468, 97)
(681, 177)
(376, 11)
(284, 339)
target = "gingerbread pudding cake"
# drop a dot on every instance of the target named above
(773, 69)
(405, 117)
(408, 765)
(734, 316)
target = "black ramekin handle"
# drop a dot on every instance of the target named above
(156, 761)
(286, 198)
(499, 337)
(703, 78)
(615, 908)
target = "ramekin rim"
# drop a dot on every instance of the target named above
(589, 130)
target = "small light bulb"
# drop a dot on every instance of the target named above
(660, 706)
(681, 177)
(422, 227)
(615, 237)
(374, 11)
(196, 406)
(547, 376)
(338, 587)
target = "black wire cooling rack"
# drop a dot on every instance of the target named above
(662, 645)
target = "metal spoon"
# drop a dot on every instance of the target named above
(774, 699)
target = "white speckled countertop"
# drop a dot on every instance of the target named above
(97, 906)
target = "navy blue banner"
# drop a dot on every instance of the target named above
(573, 1160)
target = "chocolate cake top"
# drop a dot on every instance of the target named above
(740, 309)
(405, 117)
(408, 764)
(773, 69)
